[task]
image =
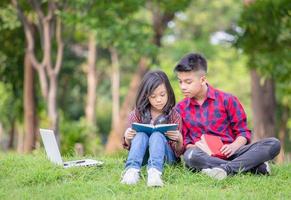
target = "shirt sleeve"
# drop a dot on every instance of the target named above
(238, 119)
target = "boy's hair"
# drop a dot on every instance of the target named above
(192, 62)
(149, 83)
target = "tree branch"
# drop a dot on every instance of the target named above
(30, 49)
(28, 35)
(37, 8)
(60, 46)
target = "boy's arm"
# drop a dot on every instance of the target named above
(238, 119)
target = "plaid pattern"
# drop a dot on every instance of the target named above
(221, 114)
(175, 118)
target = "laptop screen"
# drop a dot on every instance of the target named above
(51, 146)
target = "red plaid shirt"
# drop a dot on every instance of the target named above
(221, 114)
(174, 118)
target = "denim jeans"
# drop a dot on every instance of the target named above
(153, 150)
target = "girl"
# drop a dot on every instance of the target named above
(154, 105)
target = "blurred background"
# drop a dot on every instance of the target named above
(74, 66)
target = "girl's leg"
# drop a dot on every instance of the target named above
(157, 151)
(137, 151)
(170, 156)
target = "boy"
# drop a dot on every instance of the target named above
(206, 110)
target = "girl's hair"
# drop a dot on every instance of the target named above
(149, 83)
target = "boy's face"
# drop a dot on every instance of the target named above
(158, 99)
(191, 83)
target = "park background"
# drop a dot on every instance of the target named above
(74, 67)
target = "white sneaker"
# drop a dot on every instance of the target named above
(130, 176)
(268, 168)
(216, 173)
(154, 178)
(205, 171)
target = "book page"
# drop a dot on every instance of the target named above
(165, 125)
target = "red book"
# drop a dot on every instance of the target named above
(214, 144)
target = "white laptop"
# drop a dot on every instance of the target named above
(54, 155)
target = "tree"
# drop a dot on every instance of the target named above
(161, 12)
(266, 40)
(47, 72)
(92, 79)
(11, 72)
(29, 105)
(109, 29)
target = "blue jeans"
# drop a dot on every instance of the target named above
(158, 149)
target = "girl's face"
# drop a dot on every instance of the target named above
(158, 99)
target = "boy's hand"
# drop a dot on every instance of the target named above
(229, 149)
(129, 134)
(175, 136)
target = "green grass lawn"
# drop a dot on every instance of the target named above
(33, 177)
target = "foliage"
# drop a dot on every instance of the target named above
(78, 132)
(226, 67)
(263, 35)
(34, 177)
(8, 18)
(7, 105)
(266, 39)
(11, 70)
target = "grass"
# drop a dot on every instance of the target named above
(33, 177)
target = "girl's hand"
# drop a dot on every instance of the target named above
(175, 136)
(129, 134)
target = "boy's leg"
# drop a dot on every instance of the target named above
(252, 155)
(196, 159)
(157, 150)
(137, 151)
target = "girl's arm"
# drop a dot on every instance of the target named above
(177, 145)
(176, 142)
(129, 133)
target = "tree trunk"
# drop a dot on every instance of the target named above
(263, 106)
(90, 110)
(52, 106)
(115, 137)
(282, 134)
(115, 75)
(159, 23)
(29, 106)
(1, 135)
(11, 135)
(20, 142)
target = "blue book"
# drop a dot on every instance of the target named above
(149, 128)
